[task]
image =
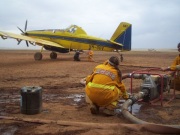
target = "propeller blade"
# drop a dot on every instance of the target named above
(25, 28)
(27, 44)
(19, 41)
(23, 33)
(21, 30)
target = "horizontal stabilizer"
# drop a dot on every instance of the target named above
(115, 43)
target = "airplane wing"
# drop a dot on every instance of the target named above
(33, 40)
(115, 43)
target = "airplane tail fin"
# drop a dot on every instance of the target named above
(122, 35)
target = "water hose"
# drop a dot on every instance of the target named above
(156, 128)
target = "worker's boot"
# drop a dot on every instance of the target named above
(94, 109)
(109, 112)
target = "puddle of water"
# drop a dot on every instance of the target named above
(75, 97)
(135, 109)
(6, 98)
(10, 130)
(9, 98)
(50, 96)
(3, 113)
(45, 111)
(13, 98)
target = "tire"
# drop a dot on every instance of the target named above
(53, 55)
(38, 56)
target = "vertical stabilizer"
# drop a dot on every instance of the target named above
(122, 35)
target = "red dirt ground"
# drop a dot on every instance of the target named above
(63, 96)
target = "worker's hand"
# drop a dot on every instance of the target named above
(126, 95)
(129, 95)
(83, 81)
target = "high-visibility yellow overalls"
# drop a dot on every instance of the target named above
(177, 76)
(90, 55)
(103, 86)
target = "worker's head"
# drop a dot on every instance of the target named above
(113, 61)
(178, 46)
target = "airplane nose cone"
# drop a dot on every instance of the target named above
(24, 34)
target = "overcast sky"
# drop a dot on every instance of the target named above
(155, 23)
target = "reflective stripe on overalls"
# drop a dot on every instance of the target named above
(107, 87)
(101, 86)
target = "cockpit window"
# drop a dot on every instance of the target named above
(72, 29)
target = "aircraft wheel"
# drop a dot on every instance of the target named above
(38, 56)
(53, 55)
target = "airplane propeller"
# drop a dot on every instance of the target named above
(21, 30)
(23, 33)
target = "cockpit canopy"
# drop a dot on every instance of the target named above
(75, 30)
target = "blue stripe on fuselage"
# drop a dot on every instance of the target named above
(79, 40)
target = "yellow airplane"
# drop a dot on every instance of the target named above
(72, 38)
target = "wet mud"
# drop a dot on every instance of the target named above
(63, 96)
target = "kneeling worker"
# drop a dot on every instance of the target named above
(104, 87)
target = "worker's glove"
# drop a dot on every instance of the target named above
(83, 81)
(129, 95)
(178, 67)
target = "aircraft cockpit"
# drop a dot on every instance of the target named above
(72, 29)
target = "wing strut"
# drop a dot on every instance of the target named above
(41, 48)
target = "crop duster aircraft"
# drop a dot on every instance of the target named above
(72, 38)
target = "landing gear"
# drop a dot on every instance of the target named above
(53, 55)
(120, 55)
(38, 56)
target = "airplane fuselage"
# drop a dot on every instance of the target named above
(72, 41)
